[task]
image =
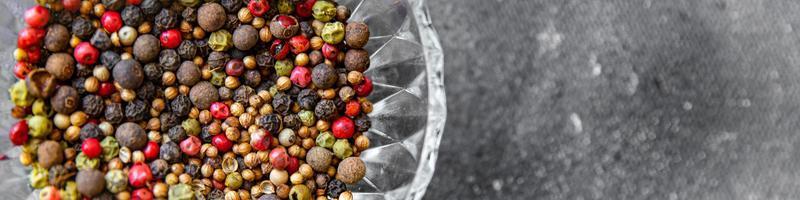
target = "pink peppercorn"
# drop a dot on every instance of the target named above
(301, 76)
(219, 110)
(343, 128)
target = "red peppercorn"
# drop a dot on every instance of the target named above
(234, 67)
(279, 158)
(111, 21)
(279, 49)
(19, 133)
(191, 146)
(29, 37)
(34, 53)
(219, 110)
(21, 70)
(258, 7)
(299, 44)
(86, 54)
(134, 2)
(171, 39)
(352, 108)
(151, 150)
(91, 148)
(106, 89)
(294, 164)
(303, 9)
(260, 140)
(222, 143)
(330, 52)
(142, 194)
(343, 128)
(218, 185)
(139, 174)
(301, 76)
(71, 5)
(364, 88)
(36, 16)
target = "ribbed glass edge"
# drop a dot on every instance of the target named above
(437, 112)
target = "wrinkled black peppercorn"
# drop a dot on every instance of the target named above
(93, 105)
(132, 16)
(202, 48)
(265, 60)
(189, 14)
(82, 28)
(192, 169)
(205, 136)
(362, 123)
(217, 59)
(147, 91)
(232, 23)
(281, 103)
(291, 121)
(181, 105)
(169, 59)
(82, 70)
(90, 130)
(176, 133)
(159, 168)
(109, 59)
(187, 49)
(166, 19)
(114, 113)
(335, 188)
(225, 93)
(114, 4)
(252, 78)
(136, 110)
(325, 110)
(170, 152)
(169, 119)
(63, 17)
(216, 194)
(78, 84)
(242, 94)
(270, 122)
(231, 6)
(100, 40)
(153, 72)
(150, 7)
(307, 99)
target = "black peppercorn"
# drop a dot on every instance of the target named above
(169, 59)
(324, 76)
(291, 121)
(176, 133)
(166, 19)
(132, 16)
(136, 110)
(150, 7)
(153, 72)
(242, 94)
(93, 105)
(281, 103)
(265, 60)
(231, 6)
(205, 136)
(189, 14)
(90, 130)
(114, 4)
(252, 78)
(128, 73)
(109, 58)
(362, 123)
(335, 188)
(181, 105)
(82, 28)
(169, 119)
(82, 70)
(159, 168)
(63, 17)
(187, 50)
(308, 98)
(233, 22)
(65, 101)
(217, 59)
(192, 168)
(114, 113)
(78, 84)
(270, 122)
(325, 110)
(306, 29)
(170, 152)
(203, 49)
(100, 40)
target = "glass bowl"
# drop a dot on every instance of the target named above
(409, 100)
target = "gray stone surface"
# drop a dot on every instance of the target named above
(619, 99)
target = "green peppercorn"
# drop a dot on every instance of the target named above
(342, 149)
(38, 176)
(116, 181)
(325, 139)
(307, 117)
(70, 191)
(84, 162)
(39, 126)
(180, 191)
(221, 40)
(191, 126)
(19, 94)
(110, 148)
(189, 3)
(233, 180)
(284, 67)
(40, 108)
(324, 11)
(285, 7)
(217, 78)
(333, 33)
(300, 192)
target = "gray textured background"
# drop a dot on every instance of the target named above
(619, 99)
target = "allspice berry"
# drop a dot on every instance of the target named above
(356, 35)
(319, 158)
(324, 76)
(91, 182)
(57, 38)
(351, 170)
(128, 73)
(131, 135)
(203, 94)
(356, 60)
(40, 83)
(50, 153)
(211, 17)
(146, 48)
(66, 100)
(60, 65)
(188, 73)
(245, 37)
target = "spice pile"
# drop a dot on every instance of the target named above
(191, 99)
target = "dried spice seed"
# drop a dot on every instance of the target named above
(132, 16)
(65, 101)
(56, 38)
(212, 17)
(181, 105)
(202, 94)
(128, 73)
(136, 110)
(356, 60)
(169, 59)
(188, 73)
(131, 135)
(90, 182)
(166, 19)
(115, 114)
(146, 48)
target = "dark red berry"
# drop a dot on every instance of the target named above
(279, 49)
(303, 9)
(19, 133)
(352, 108)
(21, 70)
(234, 67)
(106, 89)
(364, 88)
(330, 52)
(222, 143)
(258, 7)
(279, 158)
(139, 174)
(29, 37)
(219, 110)
(111, 21)
(142, 194)
(151, 151)
(343, 128)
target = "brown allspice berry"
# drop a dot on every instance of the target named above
(50, 153)
(66, 100)
(203, 94)
(40, 83)
(131, 135)
(91, 182)
(319, 158)
(57, 38)
(356, 34)
(211, 17)
(356, 60)
(60, 65)
(244, 37)
(351, 170)
(146, 48)
(128, 74)
(188, 73)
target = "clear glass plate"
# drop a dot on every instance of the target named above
(409, 110)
